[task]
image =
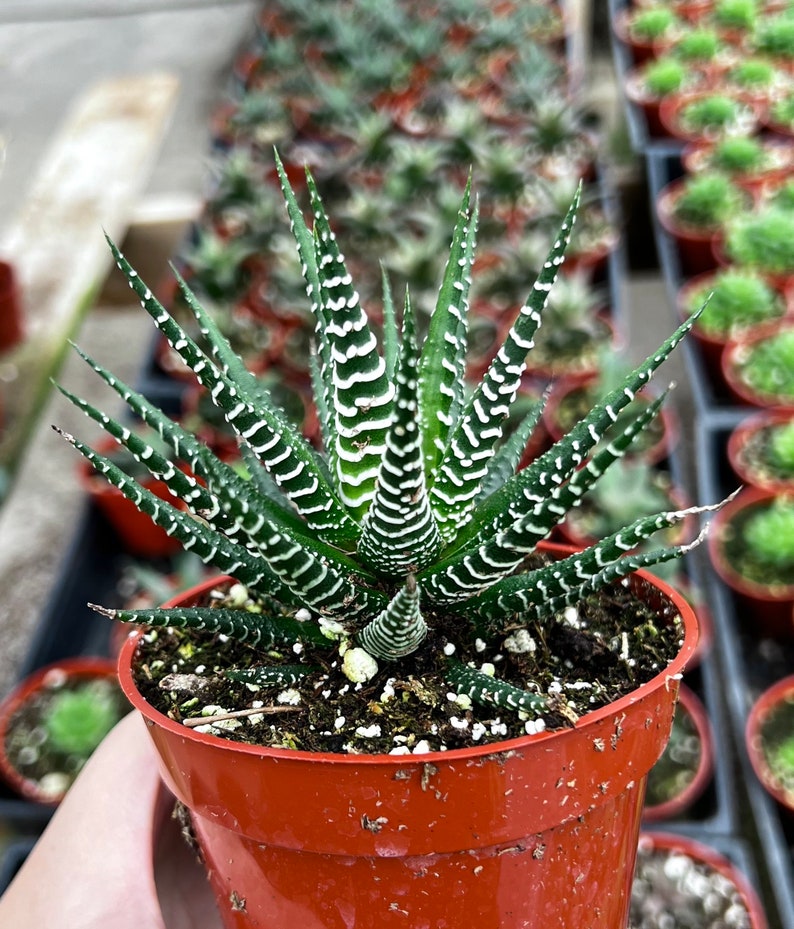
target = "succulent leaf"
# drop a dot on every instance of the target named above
(533, 484)
(399, 629)
(479, 428)
(506, 459)
(443, 361)
(482, 688)
(276, 444)
(257, 629)
(281, 565)
(399, 533)
(361, 394)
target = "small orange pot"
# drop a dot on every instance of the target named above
(46, 678)
(700, 853)
(506, 836)
(689, 703)
(768, 611)
(742, 465)
(762, 710)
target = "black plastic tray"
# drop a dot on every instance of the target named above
(749, 665)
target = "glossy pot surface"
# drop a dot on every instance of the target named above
(505, 835)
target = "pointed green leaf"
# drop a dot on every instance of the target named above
(362, 395)
(284, 452)
(489, 691)
(442, 364)
(399, 534)
(475, 435)
(400, 629)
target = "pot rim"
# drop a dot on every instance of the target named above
(87, 666)
(737, 440)
(759, 711)
(729, 365)
(669, 676)
(712, 857)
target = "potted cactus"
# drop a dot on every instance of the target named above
(647, 84)
(758, 367)
(762, 239)
(752, 550)
(751, 161)
(761, 451)
(642, 29)
(708, 115)
(769, 739)
(693, 211)
(52, 721)
(371, 731)
(738, 301)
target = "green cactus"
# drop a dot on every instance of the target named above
(81, 716)
(415, 511)
(781, 448)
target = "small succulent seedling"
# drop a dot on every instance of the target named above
(738, 155)
(738, 300)
(664, 76)
(781, 448)
(712, 113)
(762, 239)
(766, 366)
(414, 510)
(708, 200)
(80, 717)
(653, 23)
(769, 535)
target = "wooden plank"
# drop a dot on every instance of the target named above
(87, 183)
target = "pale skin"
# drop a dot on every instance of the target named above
(92, 868)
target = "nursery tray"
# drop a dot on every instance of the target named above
(749, 665)
(641, 139)
(709, 398)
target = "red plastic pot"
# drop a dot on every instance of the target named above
(761, 711)
(695, 158)
(695, 246)
(673, 808)
(765, 610)
(503, 836)
(11, 329)
(703, 854)
(44, 678)
(671, 108)
(737, 350)
(710, 346)
(743, 466)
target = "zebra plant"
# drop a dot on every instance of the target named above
(416, 507)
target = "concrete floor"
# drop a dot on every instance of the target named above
(45, 61)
